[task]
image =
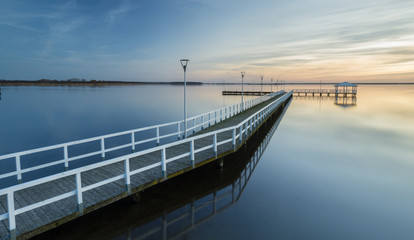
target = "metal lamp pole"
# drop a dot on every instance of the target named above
(271, 85)
(242, 103)
(184, 63)
(261, 86)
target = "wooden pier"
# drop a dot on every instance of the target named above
(344, 89)
(323, 92)
(247, 93)
(33, 207)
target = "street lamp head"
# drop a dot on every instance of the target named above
(184, 63)
(262, 77)
(242, 74)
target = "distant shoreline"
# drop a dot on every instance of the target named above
(85, 83)
(77, 82)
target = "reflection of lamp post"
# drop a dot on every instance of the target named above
(242, 103)
(184, 63)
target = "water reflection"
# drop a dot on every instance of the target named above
(341, 101)
(171, 209)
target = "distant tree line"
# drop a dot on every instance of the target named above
(77, 81)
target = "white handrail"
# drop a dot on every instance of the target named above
(64, 146)
(250, 124)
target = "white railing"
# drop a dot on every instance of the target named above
(246, 128)
(159, 132)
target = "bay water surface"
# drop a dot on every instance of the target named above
(330, 171)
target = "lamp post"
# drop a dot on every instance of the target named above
(184, 63)
(271, 85)
(242, 103)
(261, 86)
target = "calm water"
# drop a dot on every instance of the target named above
(329, 171)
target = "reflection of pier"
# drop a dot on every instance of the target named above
(345, 101)
(338, 100)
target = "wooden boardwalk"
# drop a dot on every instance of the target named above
(73, 194)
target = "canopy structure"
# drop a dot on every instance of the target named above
(346, 88)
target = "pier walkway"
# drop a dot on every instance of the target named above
(247, 93)
(324, 92)
(37, 204)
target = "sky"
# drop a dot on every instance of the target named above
(289, 40)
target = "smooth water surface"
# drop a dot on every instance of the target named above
(329, 172)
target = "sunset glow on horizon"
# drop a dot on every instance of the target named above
(293, 41)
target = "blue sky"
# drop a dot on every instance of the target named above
(296, 40)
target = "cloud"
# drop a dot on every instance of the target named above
(123, 8)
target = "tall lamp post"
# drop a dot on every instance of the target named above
(271, 85)
(261, 86)
(184, 63)
(242, 103)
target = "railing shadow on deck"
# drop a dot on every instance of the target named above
(171, 209)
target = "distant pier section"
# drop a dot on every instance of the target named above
(344, 89)
(247, 93)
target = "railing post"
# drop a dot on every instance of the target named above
(133, 141)
(245, 129)
(241, 133)
(127, 176)
(163, 163)
(215, 116)
(12, 216)
(209, 119)
(192, 152)
(18, 169)
(215, 144)
(158, 136)
(234, 138)
(221, 115)
(103, 148)
(79, 192)
(225, 113)
(178, 130)
(194, 123)
(65, 156)
(202, 122)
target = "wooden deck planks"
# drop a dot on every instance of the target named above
(50, 213)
